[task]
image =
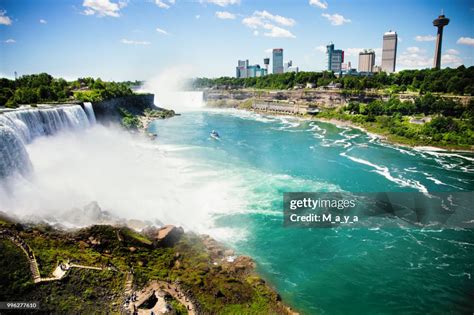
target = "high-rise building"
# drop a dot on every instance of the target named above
(266, 62)
(278, 60)
(389, 51)
(244, 70)
(366, 61)
(440, 23)
(335, 58)
(241, 69)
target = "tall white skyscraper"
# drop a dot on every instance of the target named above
(366, 61)
(389, 51)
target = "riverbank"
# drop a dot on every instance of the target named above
(376, 131)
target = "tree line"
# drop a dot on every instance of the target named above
(447, 122)
(37, 88)
(459, 81)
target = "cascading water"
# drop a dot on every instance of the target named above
(20, 127)
(90, 112)
(14, 157)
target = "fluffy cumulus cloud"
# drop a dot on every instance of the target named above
(103, 7)
(336, 19)
(452, 52)
(9, 41)
(133, 42)
(224, 15)
(426, 38)
(414, 50)
(267, 22)
(162, 31)
(4, 18)
(451, 57)
(319, 3)
(277, 32)
(275, 18)
(42, 21)
(165, 4)
(466, 41)
(221, 3)
(415, 57)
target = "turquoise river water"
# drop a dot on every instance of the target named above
(366, 270)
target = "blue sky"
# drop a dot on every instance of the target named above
(137, 39)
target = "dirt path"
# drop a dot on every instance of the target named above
(58, 273)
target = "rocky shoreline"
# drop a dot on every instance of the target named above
(161, 268)
(384, 138)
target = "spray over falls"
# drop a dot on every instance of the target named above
(21, 127)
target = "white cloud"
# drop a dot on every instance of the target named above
(451, 59)
(275, 18)
(352, 51)
(321, 49)
(162, 4)
(162, 31)
(268, 51)
(319, 3)
(414, 61)
(172, 1)
(88, 12)
(427, 38)
(414, 50)
(452, 52)
(221, 3)
(43, 21)
(336, 19)
(415, 57)
(224, 15)
(103, 7)
(252, 21)
(133, 42)
(4, 19)
(465, 41)
(255, 33)
(197, 17)
(264, 20)
(277, 32)
(9, 41)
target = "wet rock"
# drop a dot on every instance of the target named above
(168, 236)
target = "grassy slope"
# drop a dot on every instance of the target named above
(218, 290)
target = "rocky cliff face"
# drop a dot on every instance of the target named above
(319, 98)
(108, 111)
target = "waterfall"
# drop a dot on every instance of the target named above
(90, 112)
(13, 155)
(180, 100)
(20, 127)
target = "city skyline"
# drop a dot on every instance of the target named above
(133, 39)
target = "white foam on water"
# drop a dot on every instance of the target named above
(385, 172)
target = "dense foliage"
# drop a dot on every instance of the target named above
(456, 81)
(448, 123)
(130, 121)
(35, 88)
